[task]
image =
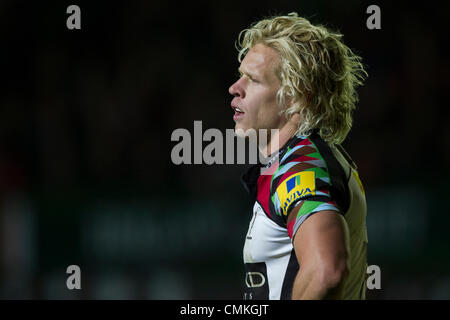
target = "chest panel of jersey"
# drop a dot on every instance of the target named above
(266, 243)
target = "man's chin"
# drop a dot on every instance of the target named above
(242, 132)
(239, 132)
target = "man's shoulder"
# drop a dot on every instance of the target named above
(302, 173)
(301, 155)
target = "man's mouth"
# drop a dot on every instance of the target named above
(238, 113)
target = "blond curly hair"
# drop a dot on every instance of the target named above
(318, 73)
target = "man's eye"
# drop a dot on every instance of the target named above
(240, 75)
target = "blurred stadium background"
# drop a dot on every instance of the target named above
(85, 124)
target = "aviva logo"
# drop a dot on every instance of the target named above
(296, 186)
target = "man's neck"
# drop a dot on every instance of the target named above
(278, 138)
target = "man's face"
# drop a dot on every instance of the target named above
(254, 101)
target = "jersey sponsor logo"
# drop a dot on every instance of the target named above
(296, 186)
(256, 284)
(254, 279)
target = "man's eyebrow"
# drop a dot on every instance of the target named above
(252, 75)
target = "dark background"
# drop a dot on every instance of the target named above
(86, 118)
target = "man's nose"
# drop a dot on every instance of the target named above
(236, 90)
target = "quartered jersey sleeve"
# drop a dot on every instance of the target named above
(302, 180)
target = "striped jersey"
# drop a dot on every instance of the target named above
(314, 175)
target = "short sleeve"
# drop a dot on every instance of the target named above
(302, 181)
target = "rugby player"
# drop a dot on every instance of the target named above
(307, 237)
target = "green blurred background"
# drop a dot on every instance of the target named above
(86, 118)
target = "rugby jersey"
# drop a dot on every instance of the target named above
(315, 175)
